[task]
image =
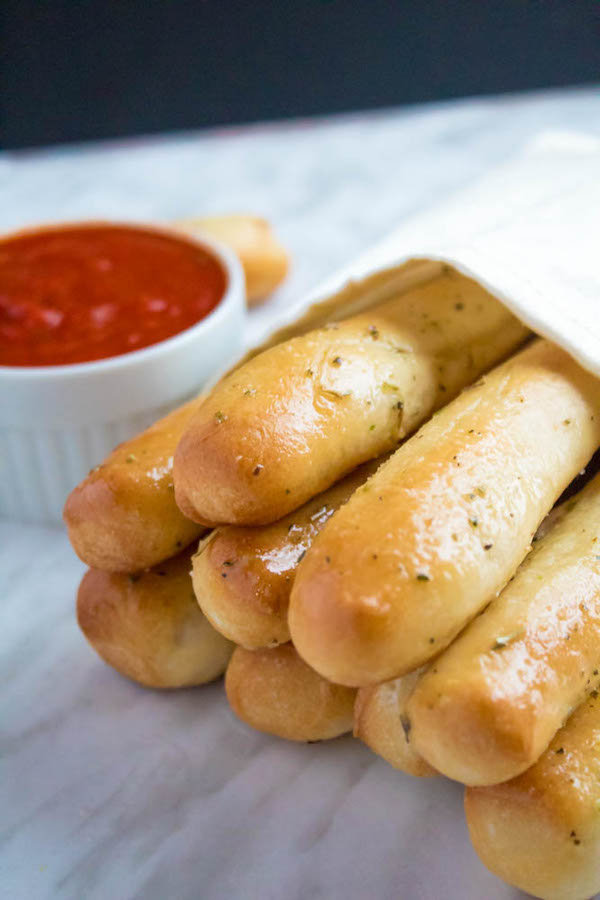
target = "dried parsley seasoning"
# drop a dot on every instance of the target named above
(130, 458)
(220, 417)
(373, 332)
(406, 726)
(336, 361)
(229, 562)
(422, 576)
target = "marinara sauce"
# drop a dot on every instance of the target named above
(79, 293)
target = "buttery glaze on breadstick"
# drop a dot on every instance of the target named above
(264, 260)
(441, 527)
(149, 626)
(492, 702)
(294, 419)
(274, 691)
(123, 516)
(541, 831)
(243, 576)
(381, 722)
(381, 712)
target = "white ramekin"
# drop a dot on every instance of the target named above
(57, 422)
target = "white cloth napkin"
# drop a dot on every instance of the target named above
(529, 232)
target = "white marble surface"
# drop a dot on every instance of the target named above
(108, 790)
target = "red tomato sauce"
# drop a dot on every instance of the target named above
(80, 293)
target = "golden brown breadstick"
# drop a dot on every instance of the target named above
(264, 260)
(273, 690)
(297, 417)
(443, 525)
(123, 516)
(149, 626)
(380, 721)
(541, 831)
(492, 702)
(243, 576)
(381, 718)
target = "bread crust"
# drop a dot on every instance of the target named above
(274, 691)
(123, 516)
(243, 576)
(492, 702)
(381, 722)
(297, 417)
(541, 830)
(149, 626)
(264, 260)
(443, 525)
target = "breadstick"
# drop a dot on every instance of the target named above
(297, 417)
(264, 260)
(541, 831)
(380, 722)
(123, 516)
(443, 525)
(149, 627)
(243, 576)
(381, 718)
(273, 690)
(492, 702)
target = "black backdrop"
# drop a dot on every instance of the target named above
(80, 69)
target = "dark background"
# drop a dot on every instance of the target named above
(73, 70)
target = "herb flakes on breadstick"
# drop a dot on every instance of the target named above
(381, 722)
(492, 702)
(243, 576)
(441, 527)
(297, 417)
(541, 830)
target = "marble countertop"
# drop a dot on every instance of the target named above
(109, 790)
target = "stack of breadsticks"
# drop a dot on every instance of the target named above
(368, 497)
